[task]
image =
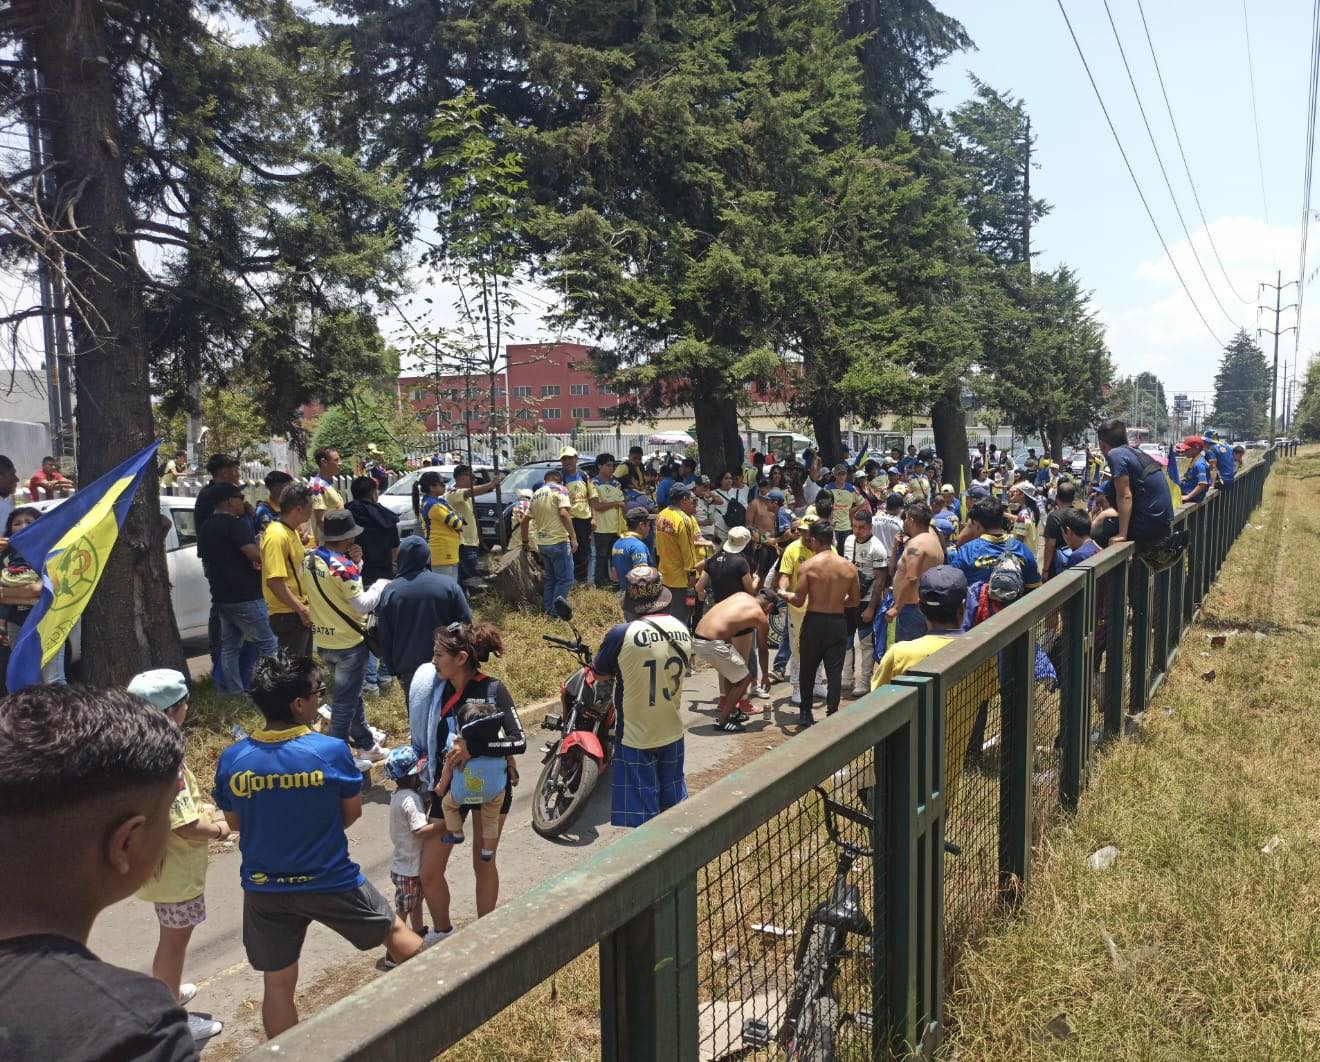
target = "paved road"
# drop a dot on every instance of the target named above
(126, 933)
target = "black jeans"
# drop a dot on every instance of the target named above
(604, 547)
(823, 638)
(582, 555)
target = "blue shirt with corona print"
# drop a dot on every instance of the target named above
(286, 786)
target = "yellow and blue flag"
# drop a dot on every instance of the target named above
(1171, 472)
(69, 546)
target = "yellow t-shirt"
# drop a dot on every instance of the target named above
(182, 872)
(324, 499)
(282, 553)
(675, 535)
(794, 554)
(652, 660)
(608, 521)
(579, 495)
(460, 500)
(171, 473)
(547, 528)
(900, 658)
(342, 582)
(442, 527)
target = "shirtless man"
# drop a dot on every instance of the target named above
(921, 551)
(762, 521)
(826, 584)
(723, 639)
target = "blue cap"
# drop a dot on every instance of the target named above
(977, 491)
(943, 586)
(404, 761)
(775, 495)
(164, 687)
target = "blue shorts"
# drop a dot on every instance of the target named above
(646, 781)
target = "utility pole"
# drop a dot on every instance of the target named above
(1026, 201)
(1278, 287)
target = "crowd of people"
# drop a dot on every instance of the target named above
(872, 566)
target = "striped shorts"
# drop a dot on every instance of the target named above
(645, 782)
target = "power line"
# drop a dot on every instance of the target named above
(1150, 133)
(1308, 168)
(1132, 173)
(1186, 167)
(1255, 117)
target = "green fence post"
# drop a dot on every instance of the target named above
(1161, 607)
(895, 978)
(929, 896)
(1017, 697)
(1075, 695)
(1116, 626)
(1177, 576)
(1189, 569)
(648, 983)
(1139, 687)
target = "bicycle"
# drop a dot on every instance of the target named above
(813, 1016)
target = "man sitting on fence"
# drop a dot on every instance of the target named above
(648, 656)
(1138, 489)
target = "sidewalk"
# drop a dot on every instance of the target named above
(1200, 941)
(229, 989)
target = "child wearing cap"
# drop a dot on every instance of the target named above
(409, 826)
(177, 886)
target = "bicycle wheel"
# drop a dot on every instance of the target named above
(814, 1041)
(808, 981)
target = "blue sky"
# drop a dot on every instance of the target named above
(1098, 225)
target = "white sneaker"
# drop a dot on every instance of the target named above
(203, 1028)
(795, 700)
(375, 754)
(435, 936)
(819, 691)
(860, 691)
(378, 734)
(186, 993)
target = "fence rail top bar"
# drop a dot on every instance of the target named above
(965, 654)
(451, 989)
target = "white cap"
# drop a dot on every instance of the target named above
(567, 451)
(737, 540)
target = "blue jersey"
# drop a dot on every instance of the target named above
(1083, 552)
(1222, 455)
(976, 559)
(285, 786)
(629, 551)
(662, 490)
(1197, 472)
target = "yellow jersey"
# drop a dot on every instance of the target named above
(675, 546)
(282, 552)
(181, 874)
(608, 521)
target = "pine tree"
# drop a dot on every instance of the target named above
(1307, 422)
(1242, 389)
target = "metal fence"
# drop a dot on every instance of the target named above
(821, 894)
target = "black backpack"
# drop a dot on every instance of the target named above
(735, 512)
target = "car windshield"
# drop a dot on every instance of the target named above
(524, 478)
(404, 484)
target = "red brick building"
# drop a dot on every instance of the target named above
(547, 386)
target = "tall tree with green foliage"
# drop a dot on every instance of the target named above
(1242, 389)
(1306, 423)
(203, 224)
(1064, 369)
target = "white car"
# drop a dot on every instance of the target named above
(397, 497)
(189, 591)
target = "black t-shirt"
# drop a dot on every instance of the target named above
(204, 506)
(59, 1001)
(1054, 526)
(220, 544)
(726, 571)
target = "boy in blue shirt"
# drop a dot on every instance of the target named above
(1195, 483)
(630, 550)
(977, 558)
(1075, 527)
(292, 794)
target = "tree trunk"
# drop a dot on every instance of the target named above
(129, 623)
(829, 435)
(717, 431)
(949, 423)
(1054, 442)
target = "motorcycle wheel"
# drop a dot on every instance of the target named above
(555, 810)
(818, 1024)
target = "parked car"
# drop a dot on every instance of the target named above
(524, 477)
(189, 591)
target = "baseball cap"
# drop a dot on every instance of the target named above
(1194, 440)
(567, 451)
(404, 761)
(977, 491)
(637, 512)
(163, 687)
(947, 489)
(775, 496)
(679, 491)
(737, 540)
(643, 592)
(1026, 487)
(943, 586)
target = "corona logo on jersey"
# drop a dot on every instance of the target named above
(246, 784)
(644, 634)
(69, 546)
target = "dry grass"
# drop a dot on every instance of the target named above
(531, 668)
(1195, 944)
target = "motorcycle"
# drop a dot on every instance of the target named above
(575, 760)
